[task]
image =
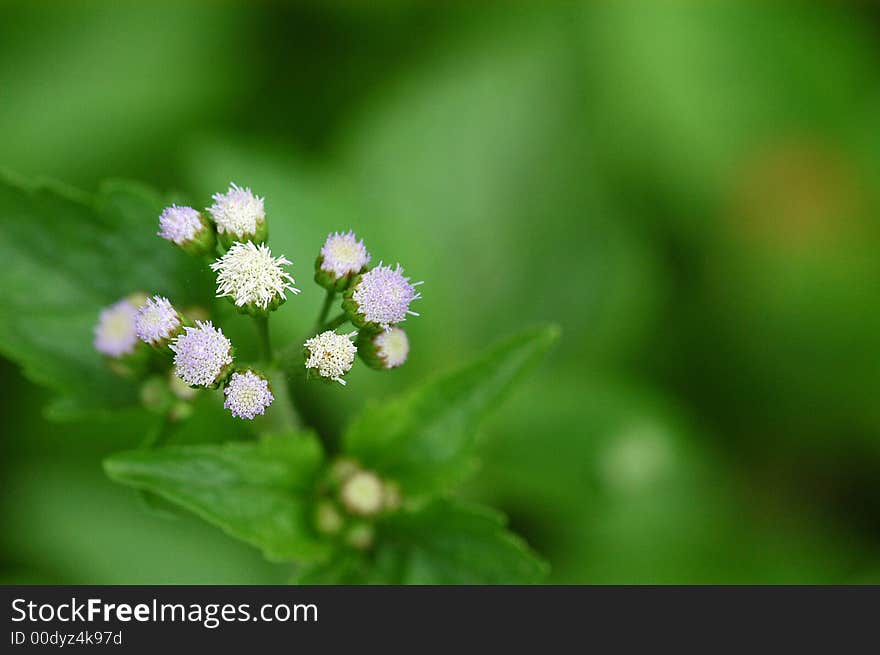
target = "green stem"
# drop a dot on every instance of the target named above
(263, 335)
(335, 323)
(325, 309)
(157, 434)
(285, 412)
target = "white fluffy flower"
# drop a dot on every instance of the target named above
(237, 212)
(331, 354)
(249, 275)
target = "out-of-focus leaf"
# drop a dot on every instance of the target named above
(444, 542)
(101, 87)
(257, 492)
(65, 255)
(423, 438)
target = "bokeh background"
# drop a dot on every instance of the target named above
(688, 188)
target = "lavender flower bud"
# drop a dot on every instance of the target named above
(188, 229)
(252, 279)
(383, 350)
(115, 333)
(342, 258)
(360, 535)
(202, 355)
(239, 215)
(328, 519)
(157, 322)
(247, 394)
(380, 298)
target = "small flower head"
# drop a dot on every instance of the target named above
(239, 215)
(384, 350)
(342, 257)
(247, 395)
(157, 321)
(254, 280)
(380, 298)
(202, 355)
(363, 493)
(331, 354)
(115, 333)
(187, 228)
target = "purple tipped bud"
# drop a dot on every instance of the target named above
(115, 333)
(187, 228)
(157, 322)
(380, 298)
(342, 257)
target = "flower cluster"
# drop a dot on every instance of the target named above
(232, 232)
(351, 498)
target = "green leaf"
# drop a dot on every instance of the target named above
(424, 438)
(258, 492)
(67, 254)
(444, 542)
(453, 542)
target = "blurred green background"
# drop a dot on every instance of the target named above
(688, 188)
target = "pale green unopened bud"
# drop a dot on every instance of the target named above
(360, 536)
(362, 494)
(328, 519)
(383, 350)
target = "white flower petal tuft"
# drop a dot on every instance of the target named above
(249, 274)
(331, 354)
(237, 212)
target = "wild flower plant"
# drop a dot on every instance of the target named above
(373, 506)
